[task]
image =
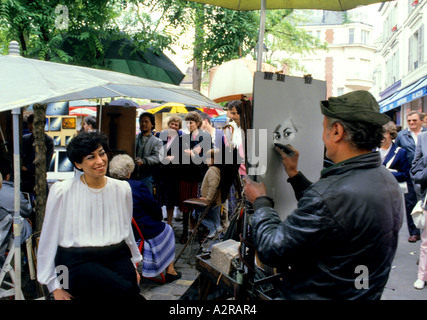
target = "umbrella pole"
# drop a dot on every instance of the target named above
(17, 220)
(261, 34)
(100, 116)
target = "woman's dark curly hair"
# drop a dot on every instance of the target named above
(235, 104)
(90, 120)
(85, 143)
(362, 135)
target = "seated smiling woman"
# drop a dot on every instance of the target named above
(87, 232)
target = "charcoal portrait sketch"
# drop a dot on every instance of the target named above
(286, 113)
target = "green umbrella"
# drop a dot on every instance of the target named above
(123, 56)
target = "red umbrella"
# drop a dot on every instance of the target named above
(213, 112)
(82, 111)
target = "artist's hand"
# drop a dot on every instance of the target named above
(253, 189)
(290, 163)
(61, 294)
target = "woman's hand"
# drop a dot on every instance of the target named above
(61, 294)
(138, 277)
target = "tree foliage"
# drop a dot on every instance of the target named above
(88, 26)
(283, 34)
(224, 34)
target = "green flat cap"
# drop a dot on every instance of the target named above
(356, 106)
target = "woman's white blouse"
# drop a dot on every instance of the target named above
(77, 216)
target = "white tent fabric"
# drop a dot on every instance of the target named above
(27, 81)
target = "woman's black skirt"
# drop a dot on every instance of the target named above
(98, 272)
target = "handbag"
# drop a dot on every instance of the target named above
(418, 214)
(403, 185)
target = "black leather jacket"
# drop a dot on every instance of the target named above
(351, 217)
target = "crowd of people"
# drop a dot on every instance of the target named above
(107, 219)
(169, 167)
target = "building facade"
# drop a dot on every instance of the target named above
(350, 60)
(401, 75)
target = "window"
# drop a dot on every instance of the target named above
(412, 4)
(392, 69)
(395, 76)
(350, 35)
(416, 49)
(364, 36)
(340, 91)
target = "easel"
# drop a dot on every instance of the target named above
(8, 269)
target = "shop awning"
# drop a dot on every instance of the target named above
(407, 94)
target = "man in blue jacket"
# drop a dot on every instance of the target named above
(340, 241)
(407, 139)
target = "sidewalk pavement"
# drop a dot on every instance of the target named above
(399, 286)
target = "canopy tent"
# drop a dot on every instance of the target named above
(233, 79)
(27, 81)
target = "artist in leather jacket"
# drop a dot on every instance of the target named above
(340, 241)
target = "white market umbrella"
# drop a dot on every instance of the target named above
(28, 81)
